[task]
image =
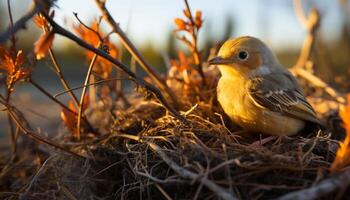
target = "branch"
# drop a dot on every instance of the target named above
(194, 44)
(184, 173)
(20, 24)
(34, 135)
(322, 189)
(311, 23)
(83, 93)
(151, 88)
(133, 51)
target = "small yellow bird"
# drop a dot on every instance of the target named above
(257, 92)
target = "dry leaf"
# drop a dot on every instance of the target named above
(198, 19)
(181, 24)
(102, 66)
(342, 158)
(43, 44)
(70, 119)
(39, 20)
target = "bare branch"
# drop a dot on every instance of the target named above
(82, 98)
(32, 134)
(311, 23)
(61, 31)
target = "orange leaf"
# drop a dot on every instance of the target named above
(7, 62)
(39, 20)
(198, 18)
(43, 44)
(181, 24)
(342, 158)
(184, 63)
(71, 119)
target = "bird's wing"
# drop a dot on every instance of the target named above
(281, 93)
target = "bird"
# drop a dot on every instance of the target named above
(257, 92)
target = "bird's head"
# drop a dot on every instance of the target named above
(244, 56)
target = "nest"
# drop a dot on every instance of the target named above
(149, 154)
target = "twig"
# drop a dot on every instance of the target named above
(323, 188)
(14, 50)
(35, 135)
(133, 51)
(87, 85)
(194, 44)
(57, 101)
(13, 37)
(184, 173)
(311, 23)
(82, 98)
(61, 31)
(59, 73)
(20, 24)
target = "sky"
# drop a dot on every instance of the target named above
(150, 21)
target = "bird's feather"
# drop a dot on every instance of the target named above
(281, 93)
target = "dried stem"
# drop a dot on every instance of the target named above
(61, 31)
(134, 52)
(194, 44)
(13, 37)
(34, 135)
(59, 73)
(82, 97)
(311, 23)
(13, 47)
(57, 101)
(87, 85)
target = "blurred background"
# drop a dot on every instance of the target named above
(150, 25)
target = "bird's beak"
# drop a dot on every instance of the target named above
(219, 61)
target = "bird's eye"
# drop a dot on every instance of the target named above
(243, 55)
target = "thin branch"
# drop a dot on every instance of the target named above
(20, 24)
(311, 23)
(58, 102)
(13, 37)
(321, 189)
(87, 85)
(61, 31)
(184, 173)
(194, 46)
(82, 97)
(59, 73)
(133, 51)
(34, 135)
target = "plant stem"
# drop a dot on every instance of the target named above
(82, 97)
(56, 101)
(59, 73)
